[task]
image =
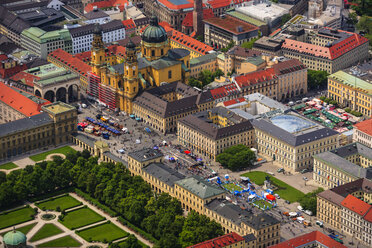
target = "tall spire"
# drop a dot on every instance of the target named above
(198, 18)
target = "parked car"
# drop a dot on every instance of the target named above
(288, 202)
(304, 171)
(280, 170)
(319, 223)
(300, 208)
(308, 212)
(305, 178)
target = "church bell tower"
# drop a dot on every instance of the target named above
(198, 18)
(98, 51)
(131, 80)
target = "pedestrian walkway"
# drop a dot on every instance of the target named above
(113, 220)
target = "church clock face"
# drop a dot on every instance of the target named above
(134, 68)
(127, 67)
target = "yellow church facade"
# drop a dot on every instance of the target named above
(117, 84)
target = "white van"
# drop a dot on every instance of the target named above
(300, 208)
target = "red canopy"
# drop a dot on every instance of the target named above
(270, 197)
(187, 152)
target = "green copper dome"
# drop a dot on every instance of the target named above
(14, 238)
(154, 33)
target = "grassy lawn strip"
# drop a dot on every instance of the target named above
(64, 150)
(19, 216)
(46, 231)
(263, 204)
(81, 217)
(106, 232)
(232, 187)
(8, 166)
(24, 229)
(66, 241)
(64, 202)
(284, 190)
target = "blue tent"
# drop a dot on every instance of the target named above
(219, 180)
(236, 192)
(156, 148)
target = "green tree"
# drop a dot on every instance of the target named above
(317, 79)
(353, 18)
(195, 83)
(131, 242)
(249, 44)
(285, 18)
(237, 157)
(205, 77)
(227, 48)
(308, 201)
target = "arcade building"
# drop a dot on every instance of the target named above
(117, 84)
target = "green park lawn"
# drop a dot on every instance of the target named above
(8, 166)
(106, 232)
(64, 150)
(66, 241)
(284, 190)
(64, 202)
(263, 204)
(24, 229)
(15, 217)
(232, 187)
(46, 231)
(80, 217)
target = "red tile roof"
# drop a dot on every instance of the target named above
(225, 90)
(233, 101)
(215, 4)
(71, 61)
(8, 72)
(185, 40)
(368, 216)
(288, 66)
(129, 24)
(356, 205)
(3, 57)
(308, 238)
(365, 126)
(78, 62)
(188, 20)
(219, 242)
(20, 102)
(105, 4)
(26, 78)
(255, 77)
(333, 52)
(231, 24)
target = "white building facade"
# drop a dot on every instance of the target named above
(82, 37)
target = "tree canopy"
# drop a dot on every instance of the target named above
(112, 185)
(317, 79)
(308, 201)
(205, 77)
(237, 157)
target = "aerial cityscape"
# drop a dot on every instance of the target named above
(186, 123)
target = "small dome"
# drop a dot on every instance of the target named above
(130, 45)
(14, 238)
(154, 33)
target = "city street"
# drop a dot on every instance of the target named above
(185, 165)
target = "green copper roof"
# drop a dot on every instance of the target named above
(352, 81)
(154, 33)
(203, 59)
(255, 60)
(14, 238)
(200, 187)
(42, 36)
(246, 18)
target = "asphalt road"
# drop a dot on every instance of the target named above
(289, 228)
